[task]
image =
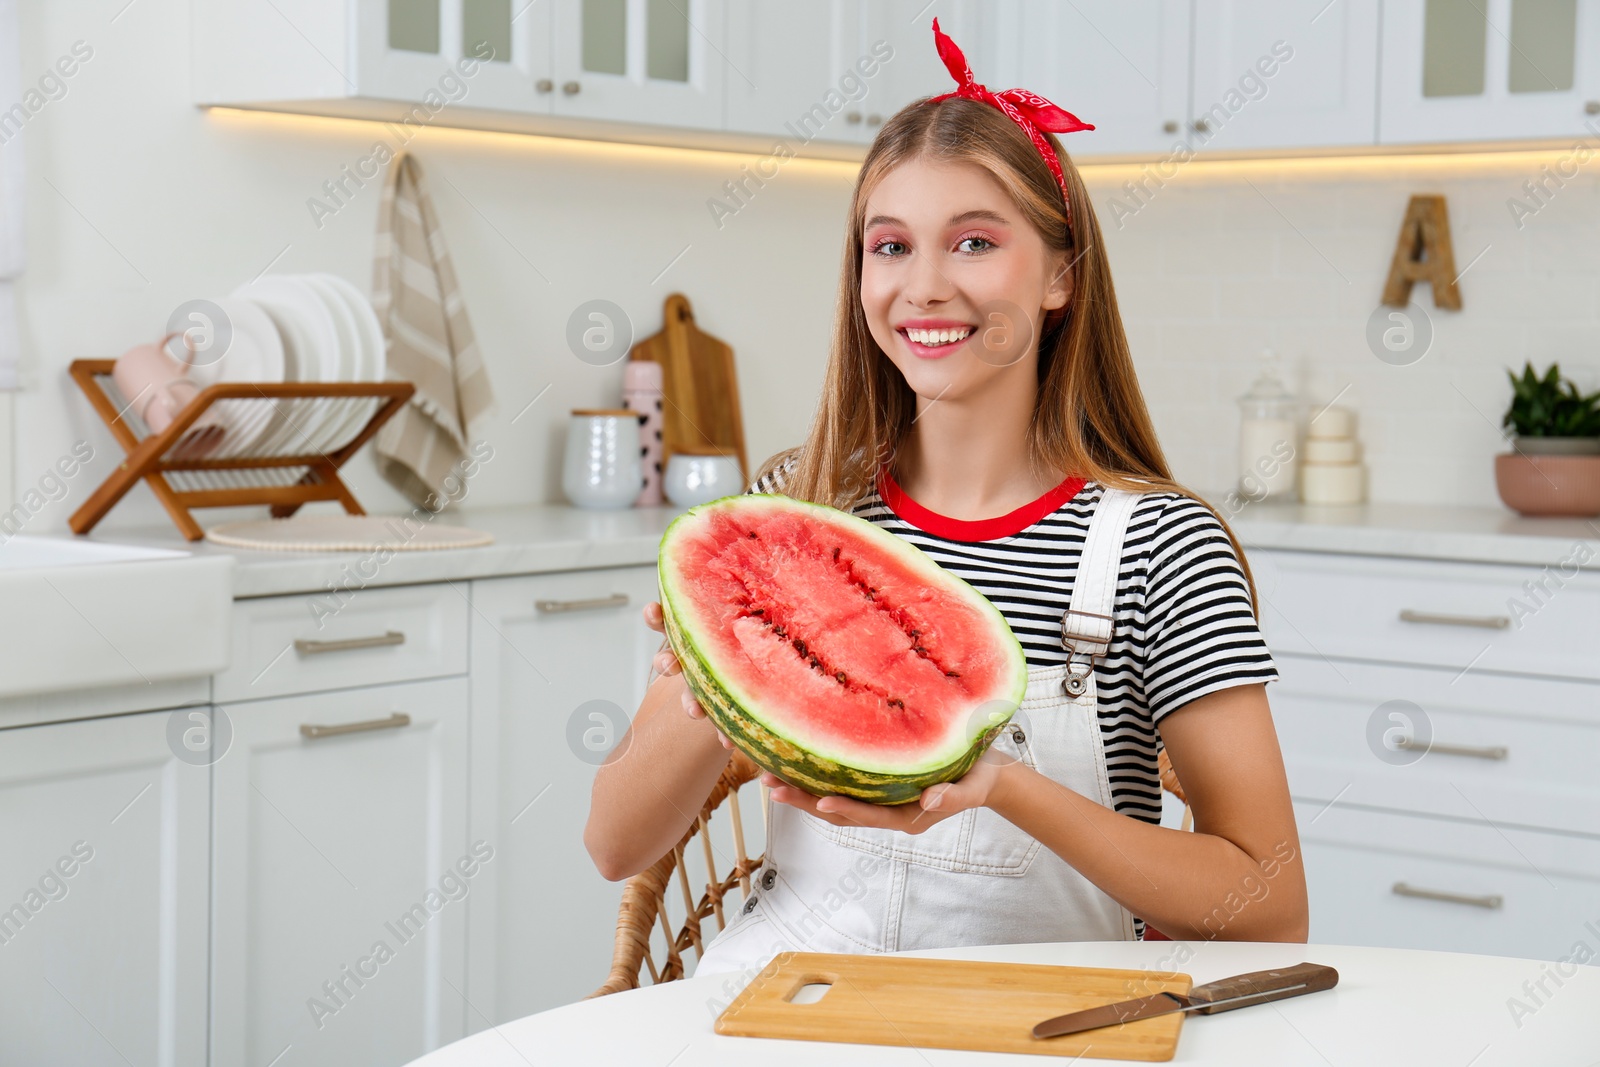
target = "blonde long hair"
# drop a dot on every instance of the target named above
(1089, 418)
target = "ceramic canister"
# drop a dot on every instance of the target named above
(641, 392)
(601, 467)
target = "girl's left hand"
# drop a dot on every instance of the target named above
(937, 802)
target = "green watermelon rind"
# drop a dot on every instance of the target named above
(773, 751)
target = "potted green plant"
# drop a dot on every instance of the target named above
(1554, 465)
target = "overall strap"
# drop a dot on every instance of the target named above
(1086, 627)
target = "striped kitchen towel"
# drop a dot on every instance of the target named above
(11, 202)
(430, 343)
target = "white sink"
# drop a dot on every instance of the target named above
(77, 614)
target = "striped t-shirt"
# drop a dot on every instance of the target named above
(1182, 621)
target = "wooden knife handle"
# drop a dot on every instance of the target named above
(1278, 984)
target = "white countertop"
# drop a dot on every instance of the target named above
(532, 539)
(1391, 1006)
(1419, 531)
(528, 539)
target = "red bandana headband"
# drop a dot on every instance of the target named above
(1028, 110)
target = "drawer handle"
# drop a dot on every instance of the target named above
(1485, 622)
(1475, 751)
(307, 647)
(615, 600)
(393, 722)
(1488, 900)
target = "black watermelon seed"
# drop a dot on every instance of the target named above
(896, 702)
(952, 674)
(840, 676)
(799, 646)
(752, 533)
(835, 551)
(779, 630)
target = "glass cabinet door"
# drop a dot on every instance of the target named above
(642, 61)
(440, 54)
(1473, 70)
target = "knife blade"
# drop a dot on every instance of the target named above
(1225, 994)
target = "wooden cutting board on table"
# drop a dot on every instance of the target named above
(699, 387)
(956, 1004)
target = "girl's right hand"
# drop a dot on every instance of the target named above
(667, 663)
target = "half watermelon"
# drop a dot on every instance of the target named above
(834, 654)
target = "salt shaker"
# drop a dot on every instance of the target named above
(641, 392)
(1268, 433)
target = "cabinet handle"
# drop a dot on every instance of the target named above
(544, 85)
(1169, 126)
(852, 117)
(874, 119)
(1488, 900)
(1486, 622)
(393, 722)
(615, 600)
(1591, 107)
(570, 88)
(1475, 751)
(1201, 125)
(308, 648)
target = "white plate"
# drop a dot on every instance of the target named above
(311, 344)
(254, 354)
(370, 361)
(339, 412)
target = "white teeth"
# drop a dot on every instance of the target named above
(939, 337)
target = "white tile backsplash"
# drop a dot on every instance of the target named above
(1229, 258)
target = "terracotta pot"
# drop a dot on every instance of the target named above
(1549, 485)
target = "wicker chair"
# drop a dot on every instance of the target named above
(644, 897)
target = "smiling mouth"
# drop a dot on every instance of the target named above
(939, 338)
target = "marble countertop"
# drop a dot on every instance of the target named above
(532, 539)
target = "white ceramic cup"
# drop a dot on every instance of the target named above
(695, 479)
(601, 468)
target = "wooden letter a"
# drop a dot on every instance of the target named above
(1423, 254)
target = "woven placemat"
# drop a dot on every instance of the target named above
(346, 533)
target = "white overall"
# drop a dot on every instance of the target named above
(973, 878)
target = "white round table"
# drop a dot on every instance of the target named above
(1391, 1006)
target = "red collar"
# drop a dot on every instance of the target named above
(1006, 525)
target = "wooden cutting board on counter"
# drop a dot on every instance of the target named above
(956, 1004)
(701, 392)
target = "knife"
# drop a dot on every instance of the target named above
(1240, 991)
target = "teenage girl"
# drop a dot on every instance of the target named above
(980, 401)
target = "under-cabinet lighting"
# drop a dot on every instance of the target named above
(1355, 161)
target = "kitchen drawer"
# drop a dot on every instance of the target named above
(1524, 620)
(1509, 905)
(300, 644)
(1498, 748)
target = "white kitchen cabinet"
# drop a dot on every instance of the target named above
(1438, 740)
(660, 62)
(793, 74)
(341, 871)
(402, 47)
(1486, 747)
(1120, 65)
(1400, 881)
(834, 71)
(1284, 74)
(1488, 70)
(300, 52)
(559, 665)
(1461, 616)
(104, 871)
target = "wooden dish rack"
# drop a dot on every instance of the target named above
(282, 480)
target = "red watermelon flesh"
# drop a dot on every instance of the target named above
(836, 636)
